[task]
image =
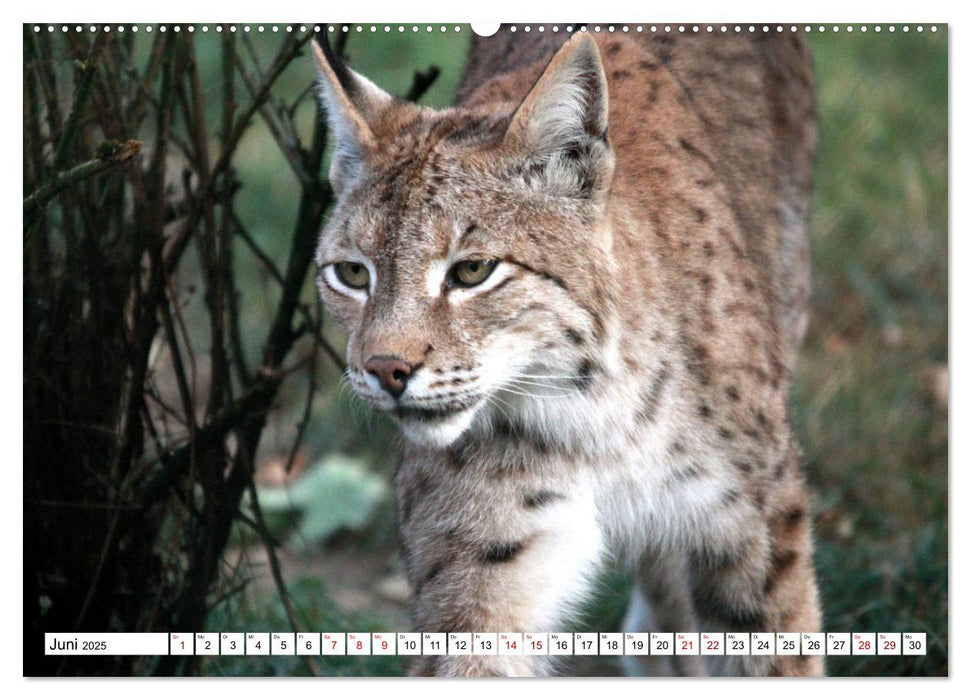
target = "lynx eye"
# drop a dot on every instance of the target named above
(469, 273)
(353, 274)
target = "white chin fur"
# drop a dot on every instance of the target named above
(438, 434)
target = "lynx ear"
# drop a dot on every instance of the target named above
(352, 103)
(562, 123)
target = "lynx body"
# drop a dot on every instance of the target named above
(580, 293)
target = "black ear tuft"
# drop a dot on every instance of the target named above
(337, 65)
(353, 105)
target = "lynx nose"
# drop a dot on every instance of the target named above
(391, 371)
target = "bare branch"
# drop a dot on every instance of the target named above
(87, 68)
(110, 154)
(291, 47)
(421, 82)
(288, 143)
(281, 586)
(308, 403)
(254, 247)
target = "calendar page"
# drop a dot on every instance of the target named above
(520, 349)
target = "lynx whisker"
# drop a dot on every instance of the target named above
(543, 385)
(527, 395)
(548, 376)
(495, 401)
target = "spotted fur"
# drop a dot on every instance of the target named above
(618, 385)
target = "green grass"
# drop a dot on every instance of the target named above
(864, 408)
(317, 613)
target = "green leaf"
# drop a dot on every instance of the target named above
(336, 493)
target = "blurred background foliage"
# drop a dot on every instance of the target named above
(870, 397)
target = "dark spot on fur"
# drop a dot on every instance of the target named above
(573, 336)
(506, 428)
(695, 152)
(613, 49)
(731, 497)
(704, 411)
(620, 75)
(653, 88)
(732, 616)
(725, 434)
(714, 561)
(574, 152)
(420, 484)
(452, 458)
(648, 65)
(709, 249)
(430, 575)
(434, 572)
(779, 564)
(732, 393)
(541, 498)
(676, 448)
(693, 470)
(760, 499)
(744, 467)
(651, 399)
(501, 553)
(793, 517)
(697, 363)
(701, 216)
(584, 377)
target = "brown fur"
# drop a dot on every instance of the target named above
(655, 266)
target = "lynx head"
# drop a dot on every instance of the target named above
(468, 256)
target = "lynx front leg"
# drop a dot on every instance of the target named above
(762, 580)
(661, 602)
(511, 558)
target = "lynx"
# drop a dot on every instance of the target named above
(580, 293)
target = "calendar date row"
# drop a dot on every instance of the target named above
(490, 643)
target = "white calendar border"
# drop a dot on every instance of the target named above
(11, 646)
